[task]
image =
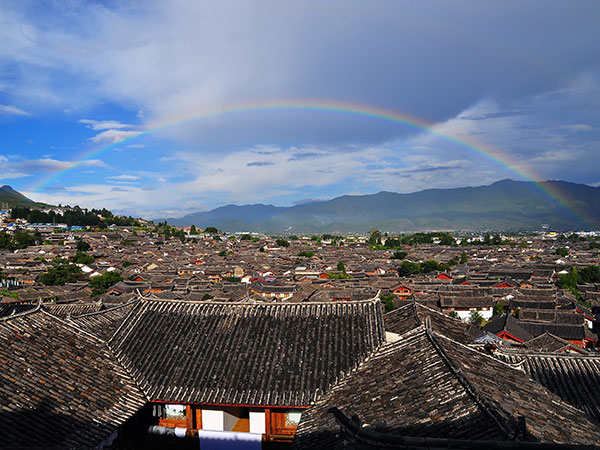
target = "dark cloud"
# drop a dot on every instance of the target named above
(303, 156)
(259, 164)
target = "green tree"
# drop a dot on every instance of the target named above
(476, 318)
(399, 255)
(62, 274)
(282, 242)
(409, 268)
(375, 237)
(463, 257)
(388, 302)
(341, 266)
(83, 246)
(561, 251)
(446, 239)
(211, 230)
(100, 284)
(306, 253)
(83, 258)
(500, 308)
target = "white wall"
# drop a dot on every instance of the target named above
(466, 315)
(257, 422)
(213, 420)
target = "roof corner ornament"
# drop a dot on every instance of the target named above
(428, 324)
(520, 431)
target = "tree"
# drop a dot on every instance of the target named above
(282, 242)
(306, 253)
(101, 283)
(62, 274)
(475, 318)
(341, 266)
(388, 302)
(399, 255)
(561, 251)
(409, 268)
(500, 308)
(375, 237)
(83, 246)
(211, 230)
(83, 258)
(193, 229)
(246, 237)
(463, 257)
(446, 239)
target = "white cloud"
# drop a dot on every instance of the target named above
(97, 125)
(11, 168)
(8, 175)
(12, 110)
(124, 177)
(113, 136)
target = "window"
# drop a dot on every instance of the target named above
(172, 415)
(292, 418)
(175, 412)
(285, 421)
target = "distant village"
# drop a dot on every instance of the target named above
(150, 336)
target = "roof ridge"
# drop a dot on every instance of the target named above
(102, 311)
(74, 327)
(280, 304)
(471, 391)
(23, 313)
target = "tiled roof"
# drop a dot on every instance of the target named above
(247, 354)
(574, 378)
(105, 322)
(413, 315)
(428, 385)
(59, 387)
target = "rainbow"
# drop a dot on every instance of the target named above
(336, 107)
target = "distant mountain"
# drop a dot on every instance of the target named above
(504, 205)
(245, 215)
(12, 198)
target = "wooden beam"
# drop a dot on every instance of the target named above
(189, 418)
(199, 418)
(268, 423)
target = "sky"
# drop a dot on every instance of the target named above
(161, 108)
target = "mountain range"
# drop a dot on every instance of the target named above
(504, 205)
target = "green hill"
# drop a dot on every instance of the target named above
(9, 198)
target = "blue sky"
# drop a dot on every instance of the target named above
(79, 76)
